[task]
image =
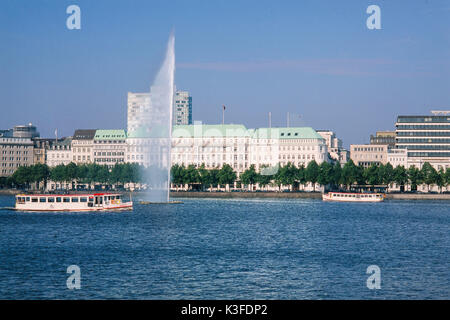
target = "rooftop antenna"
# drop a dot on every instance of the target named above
(223, 114)
(288, 119)
(270, 119)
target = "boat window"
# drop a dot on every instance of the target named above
(117, 197)
(66, 199)
(51, 200)
(83, 199)
(58, 199)
(91, 199)
(28, 199)
(74, 199)
(42, 199)
(34, 199)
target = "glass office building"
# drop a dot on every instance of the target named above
(427, 138)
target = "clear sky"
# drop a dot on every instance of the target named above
(315, 59)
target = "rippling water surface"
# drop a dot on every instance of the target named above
(230, 249)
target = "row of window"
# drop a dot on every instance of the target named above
(421, 126)
(9, 146)
(414, 119)
(429, 154)
(424, 134)
(425, 147)
(109, 141)
(419, 140)
(14, 159)
(108, 160)
(62, 199)
(109, 153)
(369, 149)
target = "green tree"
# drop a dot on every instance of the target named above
(23, 176)
(371, 175)
(388, 173)
(204, 176)
(440, 179)
(177, 174)
(447, 177)
(71, 173)
(191, 175)
(312, 173)
(400, 175)
(213, 179)
(40, 173)
(336, 179)
(325, 176)
(264, 176)
(349, 173)
(226, 175)
(249, 176)
(414, 177)
(429, 174)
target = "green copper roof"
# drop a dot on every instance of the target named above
(210, 130)
(110, 134)
(286, 133)
(157, 131)
(238, 130)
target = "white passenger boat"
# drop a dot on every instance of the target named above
(353, 197)
(72, 202)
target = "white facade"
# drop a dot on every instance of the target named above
(109, 147)
(398, 157)
(215, 145)
(334, 146)
(368, 154)
(83, 146)
(146, 151)
(60, 153)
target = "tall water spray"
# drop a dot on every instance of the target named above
(158, 129)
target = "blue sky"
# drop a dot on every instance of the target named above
(314, 59)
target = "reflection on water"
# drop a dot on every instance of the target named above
(229, 249)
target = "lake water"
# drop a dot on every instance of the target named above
(230, 249)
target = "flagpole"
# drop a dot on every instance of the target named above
(223, 114)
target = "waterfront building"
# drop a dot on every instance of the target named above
(426, 137)
(41, 147)
(83, 146)
(16, 149)
(109, 147)
(398, 157)
(60, 152)
(182, 108)
(211, 145)
(334, 146)
(215, 145)
(368, 154)
(384, 137)
(139, 105)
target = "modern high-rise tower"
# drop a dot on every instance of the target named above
(182, 108)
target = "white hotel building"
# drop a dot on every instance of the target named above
(215, 145)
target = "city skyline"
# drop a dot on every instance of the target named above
(276, 58)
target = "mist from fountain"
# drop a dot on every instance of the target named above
(159, 129)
